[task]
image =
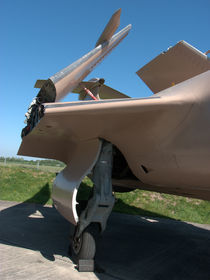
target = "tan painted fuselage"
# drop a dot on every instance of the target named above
(168, 133)
(163, 140)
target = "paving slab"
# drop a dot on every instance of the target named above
(34, 242)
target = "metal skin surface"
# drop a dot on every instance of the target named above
(179, 63)
(168, 133)
(67, 181)
(68, 78)
(164, 138)
(110, 28)
(105, 92)
(55, 88)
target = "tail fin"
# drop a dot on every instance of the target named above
(68, 78)
(110, 28)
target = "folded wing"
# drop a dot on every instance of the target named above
(177, 64)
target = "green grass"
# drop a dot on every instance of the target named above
(25, 184)
(158, 204)
(28, 184)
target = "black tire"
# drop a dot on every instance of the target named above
(85, 246)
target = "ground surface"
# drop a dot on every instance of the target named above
(34, 241)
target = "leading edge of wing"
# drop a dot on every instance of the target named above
(186, 92)
(108, 104)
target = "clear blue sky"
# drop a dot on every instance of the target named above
(38, 38)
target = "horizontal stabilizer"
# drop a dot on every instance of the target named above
(105, 92)
(110, 28)
(110, 93)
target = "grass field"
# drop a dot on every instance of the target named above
(29, 184)
(37, 167)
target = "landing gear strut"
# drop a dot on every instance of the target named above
(94, 217)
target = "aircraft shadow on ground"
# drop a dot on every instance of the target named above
(36, 227)
(132, 247)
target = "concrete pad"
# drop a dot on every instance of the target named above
(34, 241)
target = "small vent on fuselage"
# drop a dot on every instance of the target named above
(145, 169)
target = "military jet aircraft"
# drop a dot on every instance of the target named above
(159, 143)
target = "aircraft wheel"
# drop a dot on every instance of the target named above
(84, 247)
